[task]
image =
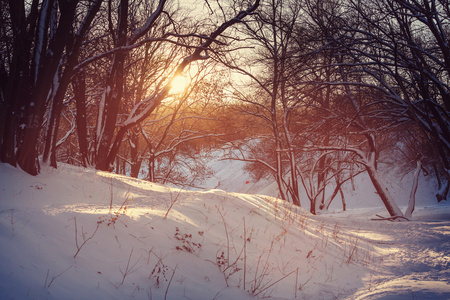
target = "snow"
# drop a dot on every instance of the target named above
(213, 244)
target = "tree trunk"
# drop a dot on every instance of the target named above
(79, 90)
(151, 166)
(112, 95)
(344, 205)
(279, 175)
(134, 153)
(412, 196)
(320, 198)
(27, 155)
(54, 116)
(327, 203)
(295, 189)
(16, 89)
(383, 192)
(109, 105)
(62, 83)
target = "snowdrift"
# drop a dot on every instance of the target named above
(77, 233)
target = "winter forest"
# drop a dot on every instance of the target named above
(308, 95)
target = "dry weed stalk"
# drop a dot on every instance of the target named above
(11, 219)
(228, 268)
(226, 232)
(257, 285)
(170, 281)
(352, 251)
(129, 269)
(83, 234)
(53, 277)
(245, 252)
(172, 202)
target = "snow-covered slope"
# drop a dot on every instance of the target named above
(75, 233)
(229, 175)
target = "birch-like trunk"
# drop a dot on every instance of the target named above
(412, 196)
(383, 191)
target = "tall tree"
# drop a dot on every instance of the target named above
(272, 35)
(61, 82)
(41, 55)
(402, 48)
(39, 34)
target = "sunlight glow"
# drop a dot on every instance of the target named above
(104, 212)
(179, 84)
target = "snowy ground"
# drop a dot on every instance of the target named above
(60, 238)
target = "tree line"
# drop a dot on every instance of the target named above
(343, 86)
(105, 65)
(310, 93)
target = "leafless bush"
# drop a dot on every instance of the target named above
(159, 272)
(187, 244)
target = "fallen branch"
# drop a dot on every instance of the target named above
(392, 219)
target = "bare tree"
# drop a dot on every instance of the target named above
(46, 46)
(271, 33)
(38, 34)
(402, 49)
(376, 53)
(170, 140)
(107, 142)
(61, 82)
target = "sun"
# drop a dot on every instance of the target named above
(179, 84)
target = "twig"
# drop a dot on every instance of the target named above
(11, 219)
(269, 286)
(217, 294)
(128, 270)
(232, 267)
(259, 277)
(304, 283)
(46, 277)
(111, 196)
(352, 251)
(245, 252)
(226, 233)
(84, 239)
(176, 198)
(149, 293)
(170, 281)
(53, 277)
(172, 203)
(393, 218)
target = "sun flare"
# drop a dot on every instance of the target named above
(179, 84)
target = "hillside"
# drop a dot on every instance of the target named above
(76, 233)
